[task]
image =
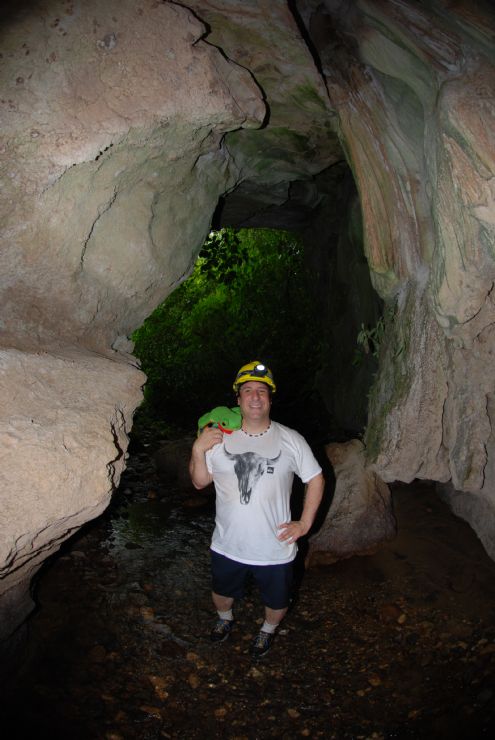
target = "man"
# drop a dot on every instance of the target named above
(253, 469)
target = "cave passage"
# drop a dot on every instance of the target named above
(253, 295)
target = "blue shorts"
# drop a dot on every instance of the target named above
(274, 581)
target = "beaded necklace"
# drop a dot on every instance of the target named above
(260, 434)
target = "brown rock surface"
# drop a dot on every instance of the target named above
(413, 87)
(110, 139)
(66, 418)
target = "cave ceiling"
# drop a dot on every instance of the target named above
(298, 139)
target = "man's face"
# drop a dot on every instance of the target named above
(254, 400)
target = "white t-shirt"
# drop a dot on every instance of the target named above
(253, 482)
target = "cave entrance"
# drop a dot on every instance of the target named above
(248, 297)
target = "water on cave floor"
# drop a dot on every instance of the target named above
(396, 645)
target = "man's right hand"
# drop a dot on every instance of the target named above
(208, 438)
(198, 470)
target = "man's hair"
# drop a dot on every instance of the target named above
(270, 391)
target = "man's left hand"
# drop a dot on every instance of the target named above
(291, 531)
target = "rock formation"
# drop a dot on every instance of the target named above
(414, 88)
(360, 517)
(124, 123)
(112, 165)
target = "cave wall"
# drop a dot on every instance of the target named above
(413, 85)
(111, 166)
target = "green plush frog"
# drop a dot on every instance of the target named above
(228, 420)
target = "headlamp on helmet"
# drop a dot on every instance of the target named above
(255, 371)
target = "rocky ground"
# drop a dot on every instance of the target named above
(396, 645)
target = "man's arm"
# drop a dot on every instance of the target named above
(291, 531)
(200, 476)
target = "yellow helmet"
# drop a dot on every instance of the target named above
(254, 371)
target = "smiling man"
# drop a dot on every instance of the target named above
(253, 470)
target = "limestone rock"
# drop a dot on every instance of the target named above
(63, 440)
(122, 126)
(413, 87)
(111, 161)
(405, 438)
(111, 165)
(299, 137)
(360, 517)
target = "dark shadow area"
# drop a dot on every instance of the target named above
(305, 35)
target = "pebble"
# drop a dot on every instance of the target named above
(193, 680)
(147, 613)
(160, 685)
(152, 711)
(78, 554)
(374, 680)
(390, 613)
(255, 673)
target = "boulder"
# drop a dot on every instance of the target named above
(360, 518)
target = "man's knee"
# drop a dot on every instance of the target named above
(222, 603)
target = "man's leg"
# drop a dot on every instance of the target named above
(227, 578)
(263, 640)
(222, 603)
(274, 616)
(223, 627)
(275, 583)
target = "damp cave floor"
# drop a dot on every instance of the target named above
(400, 644)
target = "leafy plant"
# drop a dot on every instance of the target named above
(248, 298)
(368, 341)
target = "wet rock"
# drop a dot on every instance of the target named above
(147, 613)
(160, 685)
(374, 680)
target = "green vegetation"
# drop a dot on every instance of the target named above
(248, 298)
(307, 94)
(368, 341)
